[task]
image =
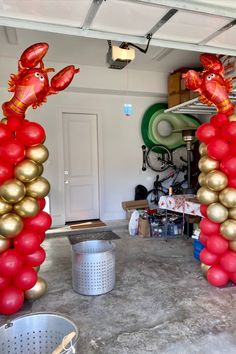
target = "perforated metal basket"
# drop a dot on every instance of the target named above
(38, 333)
(93, 267)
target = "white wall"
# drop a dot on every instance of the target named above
(101, 91)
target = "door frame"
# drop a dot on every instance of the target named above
(99, 152)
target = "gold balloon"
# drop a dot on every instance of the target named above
(38, 188)
(11, 225)
(232, 213)
(12, 191)
(37, 153)
(228, 229)
(206, 196)
(202, 149)
(4, 120)
(216, 180)
(40, 169)
(207, 164)
(228, 197)
(232, 117)
(37, 291)
(204, 268)
(5, 243)
(202, 179)
(27, 207)
(4, 207)
(217, 212)
(232, 245)
(26, 170)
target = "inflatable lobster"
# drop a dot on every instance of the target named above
(23, 222)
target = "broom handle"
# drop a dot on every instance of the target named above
(66, 340)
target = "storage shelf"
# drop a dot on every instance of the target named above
(195, 107)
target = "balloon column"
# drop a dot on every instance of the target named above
(217, 179)
(23, 222)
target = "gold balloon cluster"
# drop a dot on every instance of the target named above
(38, 290)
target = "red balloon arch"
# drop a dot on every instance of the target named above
(23, 222)
(217, 194)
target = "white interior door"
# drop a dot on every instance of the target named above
(81, 166)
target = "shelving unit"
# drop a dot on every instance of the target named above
(195, 107)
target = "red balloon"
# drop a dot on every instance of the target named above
(41, 203)
(228, 165)
(218, 149)
(4, 282)
(11, 300)
(208, 257)
(6, 171)
(232, 181)
(206, 132)
(209, 227)
(10, 263)
(219, 120)
(233, 277)
(228, 261)
(41, 222)
(31, 134)
(14, 122)
(41, 236)
(217, 276)
(217, 244)
(232, 147)
(35, 259)
(27, 242)
(203, 238)
(26, 278)
(5, 132)
(12, 151)
(203, 209)
(229, 131)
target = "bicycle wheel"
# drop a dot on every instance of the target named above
(159, 158)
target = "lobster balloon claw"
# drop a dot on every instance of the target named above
(211, 62)
(63, 79)
(192, 80)
(33, 55)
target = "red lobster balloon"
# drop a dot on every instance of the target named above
(30, 87)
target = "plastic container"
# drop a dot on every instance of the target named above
(93, 267)
(197, 247)
(38, 333)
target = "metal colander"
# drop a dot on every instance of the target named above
(38, 333)
(93, 267)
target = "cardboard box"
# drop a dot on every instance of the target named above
(143, 227)
(174, 83)
(131, 205)
(193, 94)
(173, 99)
(184, 96)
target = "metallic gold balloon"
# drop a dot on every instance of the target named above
(202, 179)
(204, 268)
(216, 180)
(4, 207)
(37, 291)
(206, 196)
(232, 245)
(232, 118)
(232, 213)
(5, 243)
(40, 169)
(11, 225)
(217, 212)
(26, 170)
(207, 164)
(228, 229)
(37, 153)
(27, 207)
(228, 197)
(38, 188)
(12, 191)
(202, 149)
(4, 120)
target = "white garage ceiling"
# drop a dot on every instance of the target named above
(79, 29)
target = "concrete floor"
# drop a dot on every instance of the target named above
(161, 303)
